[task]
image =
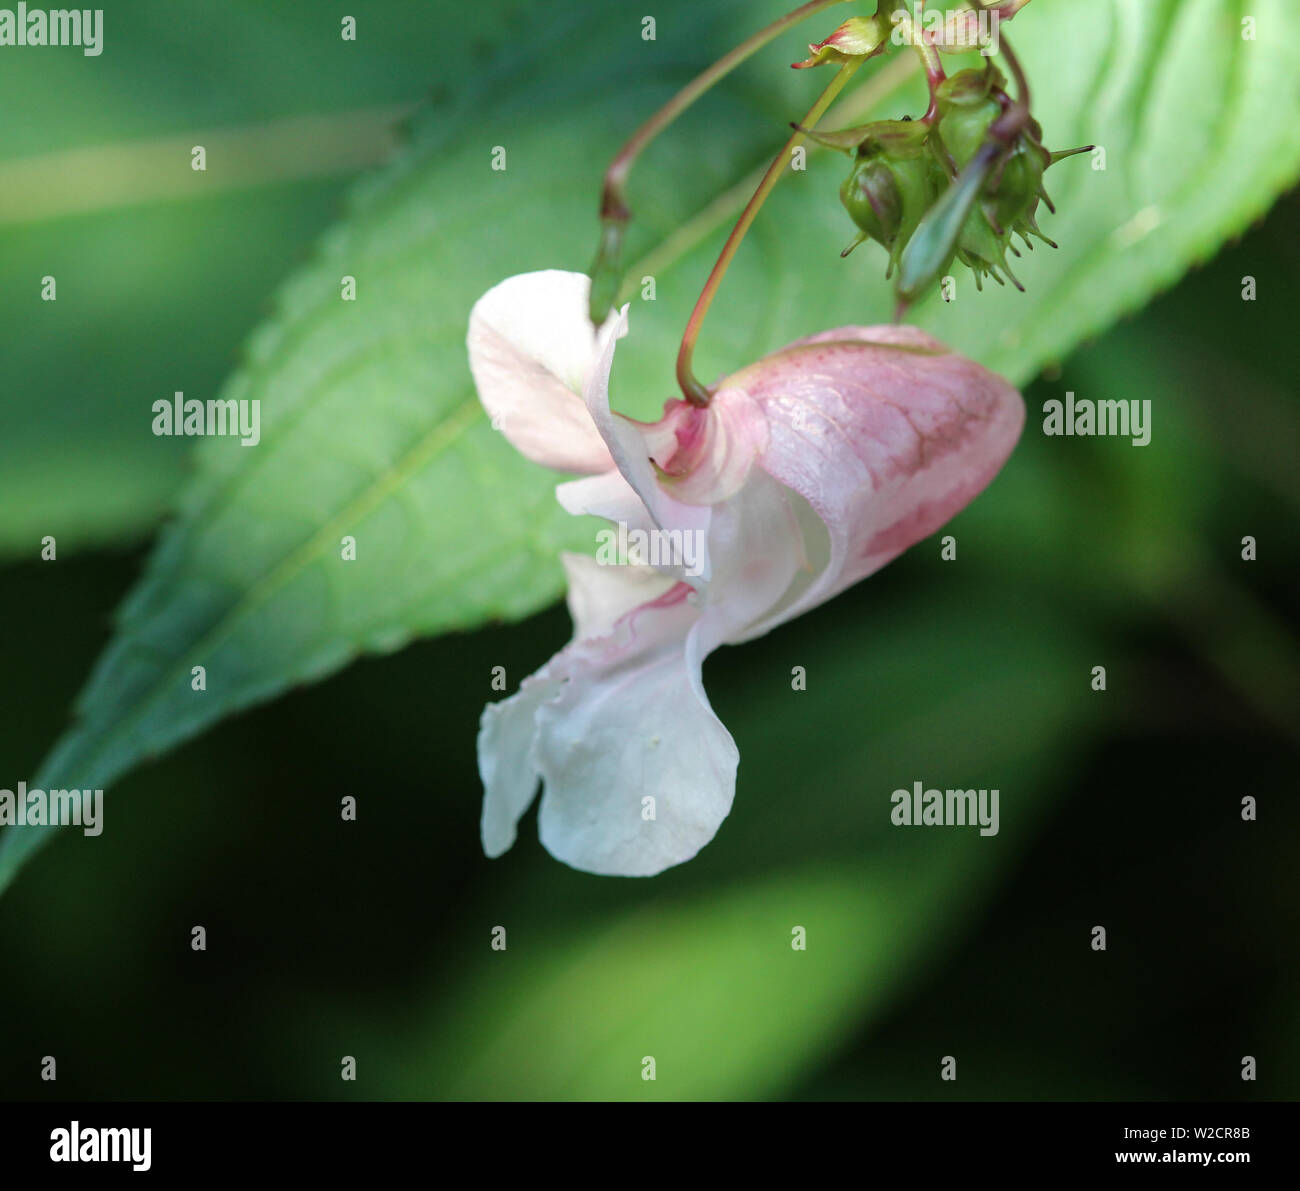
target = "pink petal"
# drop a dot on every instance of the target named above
(711, 450)
(886, 433)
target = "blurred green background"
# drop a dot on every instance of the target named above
(372, 938)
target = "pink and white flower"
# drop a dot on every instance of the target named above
(808, 471)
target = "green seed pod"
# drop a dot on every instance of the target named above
(894, 181)
(931, 251)
(982, 250)
(968, 104)
(1015, 188)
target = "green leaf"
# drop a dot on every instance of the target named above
(369, 421)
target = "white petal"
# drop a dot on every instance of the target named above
(607, 495)
(633, 722)
(599, 596)
(631, 734)
(758, 550)
(611, 497)
(631, 446)
(620, 715)
(505, 760)
(532, 349)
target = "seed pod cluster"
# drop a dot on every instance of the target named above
(948, 182)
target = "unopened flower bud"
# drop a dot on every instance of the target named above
(858, 37)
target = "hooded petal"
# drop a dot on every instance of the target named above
(886, 434)
(532, 349)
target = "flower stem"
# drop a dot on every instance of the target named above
(1010, 123)
(724, 209)
(913, 34)
(614, 211)
(695, 392)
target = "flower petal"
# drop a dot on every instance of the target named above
(591, 722)
(607, 495)
(505, 758)
(634, 723)
(713, 449)
(600, 596)
(638, 771)
(610, 496)
(608, 723)
(632, 446)
(532, 349)
(886, 433)
(758, 548)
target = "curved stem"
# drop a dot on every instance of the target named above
(613, 204)
(914, 35)
(614, 211)
(853, 109)
(1010, 123)
(695, 392)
